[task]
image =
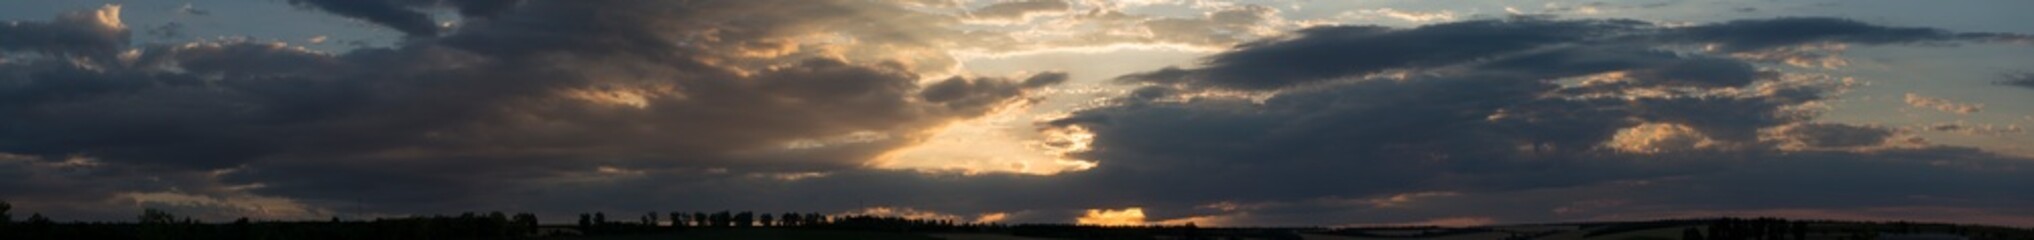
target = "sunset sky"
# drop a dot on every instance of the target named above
(1215, 112)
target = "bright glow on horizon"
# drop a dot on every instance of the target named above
(1113, 217)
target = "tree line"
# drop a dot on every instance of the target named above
(598, 223)
(154, 224)
(157, 224)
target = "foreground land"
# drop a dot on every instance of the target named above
(157, 225)
(1711, 229)
(766, 234)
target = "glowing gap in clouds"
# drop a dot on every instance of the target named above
(1003, 142)
(1134, 216)
(1110, 217)
(921, 214)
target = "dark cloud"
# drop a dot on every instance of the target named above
(558, 91)
(1699, 72)
(960, 92)
(622, 106)
(1974, 129)
(1045, 79)
(1753, 35)
(1831, 135)
(481, 8)
(1856, 185)
(2024, 79)
(88, 33)
(408, 16)
(1641, 66)
(1520, 120)
(400, 15)
(1328, 53)
(1320, 54)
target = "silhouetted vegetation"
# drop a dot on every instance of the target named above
(1408, 232)
(1706, 229)
(158, 224)
(1609, 229)
(592, 223)
(1185, 231)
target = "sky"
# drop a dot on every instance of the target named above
(1214, 112)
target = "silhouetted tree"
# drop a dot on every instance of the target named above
(1800, 230)
(1781, 229)
(789, 219)
(1720, 230)
(6, 218)
(158, 224)
(723, 219)
(599, 218)
(38, 226)
(767, 220)
(700, 219)
(678, 220)
(745, 219)
(241, 229)
(153, 216)
(650, 219)
(585, 222)
(526, 224)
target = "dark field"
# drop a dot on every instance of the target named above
(739, 226)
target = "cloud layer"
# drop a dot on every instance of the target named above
(1529, 119)
(565, 106)
(558, 91)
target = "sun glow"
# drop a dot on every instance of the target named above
(1001, 142)
(1112, 217)
(994, 217)
(922, 214)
